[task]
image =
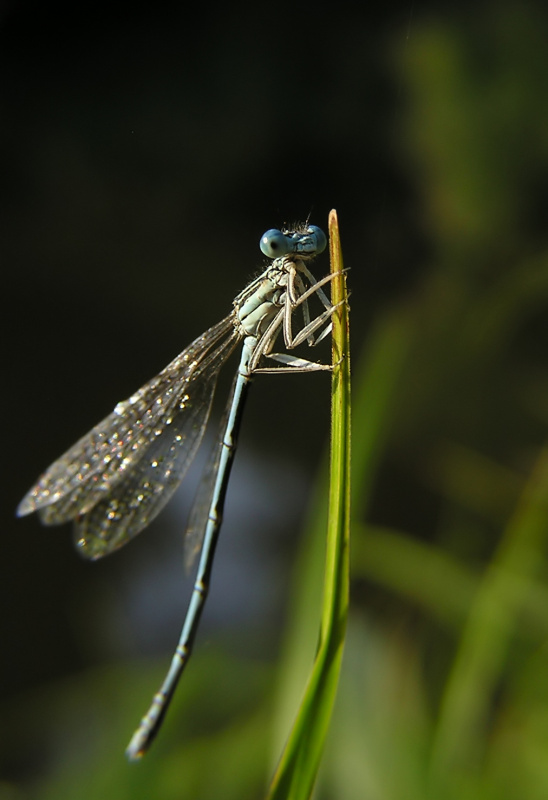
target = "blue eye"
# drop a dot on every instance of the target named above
(275, 244)
(319, 236)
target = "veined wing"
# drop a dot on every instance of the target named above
(143, 491)
(100, 460)
(199, 514)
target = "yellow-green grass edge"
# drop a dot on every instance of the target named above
(298, 766)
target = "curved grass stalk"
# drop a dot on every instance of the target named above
(298, 766)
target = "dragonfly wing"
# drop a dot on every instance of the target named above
(96, 463)
(143, 492)
(194, 534)
(201, 508)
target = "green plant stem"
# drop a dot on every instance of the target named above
(296, 772)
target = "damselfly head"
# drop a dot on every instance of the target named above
(306, 242)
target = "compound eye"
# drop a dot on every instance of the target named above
(275, 244)
(319, 235)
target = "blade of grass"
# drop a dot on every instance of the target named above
(297, 769)
(482, 652)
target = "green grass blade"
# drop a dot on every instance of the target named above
(484, 645)
(297, 769)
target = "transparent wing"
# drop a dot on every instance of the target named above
(199, 514)
(143, 492)
(91, 469)
(194, 534)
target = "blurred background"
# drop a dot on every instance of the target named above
(143, 152)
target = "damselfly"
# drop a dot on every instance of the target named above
(119, 476)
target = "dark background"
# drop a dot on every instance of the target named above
(143, 152)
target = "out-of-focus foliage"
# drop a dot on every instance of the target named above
(446, 692)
